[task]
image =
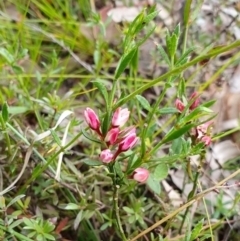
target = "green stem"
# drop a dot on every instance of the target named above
(6, 135)
(145, 130)
(175, 71)
(185, 34)
(189, 198)
(112, 93)
(116, 211)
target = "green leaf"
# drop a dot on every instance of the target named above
(160, 172)
(168, 110)
(124, 61)
(168, 159)
(28, 222)
(205, 236)
(175, 133)
(209, 103)
(17, 69)
(177, 30)
(196, 231)
(134, 63)
(105, 226)
(128, 210)
(102, 88)
(15, 200)
(164, 54)
(146, 36)
(150, 17)
(91, 138)
(177, 146)
(48, 226)
(153, 184)
(195, 114)
(71, 206)
(135, 26)
(118, 169)
(106, 123)
(174, 44)
(181, 60)
(187, 11)
(5, 112)
(49, 236)
(15, 224)
(9, 57)
(92, 162)
(186, 146)
(78, 219)
(143, 102)
(56, 137)
(197, 9)
(17, 109)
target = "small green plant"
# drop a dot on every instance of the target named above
(85, 153)
(39, 229)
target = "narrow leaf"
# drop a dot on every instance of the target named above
(184, 56)
(150, 17)
(164, 54)
(15, 200)
(5, 112)
(146, 36)
(4, 52)
(175, 133)
(124, 61)
(92, 162)
(168, 110)
(56, 137)
(102, 88)
(143, 102)
(187, 11)
(71, 206)
(17, 110)
(89, 137)
(196, 231)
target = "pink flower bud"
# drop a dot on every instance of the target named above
(120, 117)
(92, 119)
(179, 105)
(195, 104)
(206, 140)
(106, 156)
(112, 135)
(140, 174)
(128, 142)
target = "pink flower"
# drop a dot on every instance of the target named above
(179, 105)
(206, 140)
(203, 129)
(195, 104)
(92, 119)
(106, 156)
(120, 117)
(128, 142)
(112, 135)
(140, 174)
(126, 132)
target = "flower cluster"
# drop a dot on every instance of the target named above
(180, 106)
(202, 133)
(116, 139)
